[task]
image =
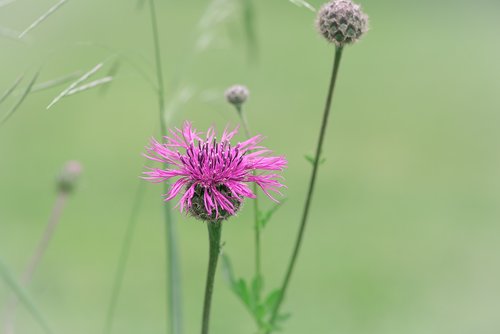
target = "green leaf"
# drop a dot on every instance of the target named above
(238, 286)
(265, 216)
(271, 300)
(256, 290)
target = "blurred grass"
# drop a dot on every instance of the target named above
(404, 235)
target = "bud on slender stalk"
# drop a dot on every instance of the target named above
(68, 176)
(237, 95)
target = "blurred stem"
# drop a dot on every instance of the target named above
(312, 182)
(174, 298)
(55, 217)
(124, 255)
(23, 297)
(258, 271)
(214, 235)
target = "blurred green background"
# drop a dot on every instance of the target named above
(404, 235)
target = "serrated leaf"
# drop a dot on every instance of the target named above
(265, 216)
(256, 290)
(272, 299)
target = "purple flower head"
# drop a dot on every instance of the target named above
(214, 174)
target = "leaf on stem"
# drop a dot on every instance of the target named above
(311, 159)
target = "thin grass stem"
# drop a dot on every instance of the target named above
(174, 298)
(312, 183)
(258, 267)
(55, 218)
(21, 99)
(124, 256)
(11, 89)
(23, 296)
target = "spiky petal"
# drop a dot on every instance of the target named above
(214, 175)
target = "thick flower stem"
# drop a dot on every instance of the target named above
(174, 298)
(312, 182)
(258, 271)
(214, 234)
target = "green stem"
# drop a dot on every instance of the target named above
(124, 255)
(214, 234)
(174, 297)
(258, 270)
(23, 297)
(55, 218)
(312, 182)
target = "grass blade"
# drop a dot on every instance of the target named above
(303, 3)
(174, 286)
(42, 18)
(10, 34)
(6, 2)
(11, 89)
(20, 101)
(55, 82)
(90, 85)
(75, 84)
(113, 72)
(23, 297)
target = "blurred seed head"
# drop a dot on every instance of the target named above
(68, 176)
(341, 22)
(237, 95)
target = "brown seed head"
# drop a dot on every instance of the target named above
(341, 22)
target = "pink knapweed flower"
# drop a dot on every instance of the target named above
(214, 174)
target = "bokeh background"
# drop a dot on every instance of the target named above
(404, 235)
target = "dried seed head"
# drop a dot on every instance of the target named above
(341, 22)
(198, 209)
(237, 95)
(68, 176)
